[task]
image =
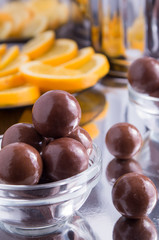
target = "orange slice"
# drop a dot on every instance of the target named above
(39, 45)
(20, 15)
(9, 56)
(47, 8)
(37, 25)
(47, 77)
(13, 67)
(6, 25)
(11, 81)
(84, 55)
(5, 29)
(3, 48)
(41, 6)
(24, 95)
(62, 51)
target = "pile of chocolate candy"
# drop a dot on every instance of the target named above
(54, 147)
(134, 195)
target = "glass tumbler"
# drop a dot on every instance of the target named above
(122, 29)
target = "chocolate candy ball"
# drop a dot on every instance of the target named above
(134, 195)
(56, 114)
(123, 140)
(64, 158)
(22, 132)
(83, 137)
(134, 229)
(20, 164)
(118, 167)
(143, 75)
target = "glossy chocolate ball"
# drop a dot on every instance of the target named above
(134, 195)
(64, 158)
(123, 140)
(56, 114)
(83, 137)
(143, 75)
(134, 229)
(21, 164)
(118, 167)
(22, 132)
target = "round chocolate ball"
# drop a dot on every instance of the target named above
(143, 75)
(22, 132)
(134, 195)
(123, 140)
(21, 164)
(134, 229)
(56, 114)
(64, 158)
(118, 167)
(83, 137)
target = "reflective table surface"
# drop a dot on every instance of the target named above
(97, 219)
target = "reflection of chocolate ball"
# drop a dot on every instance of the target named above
(56, 113)
(64, 157)
(118, 167)
(132, 229)
(20, 164)
(22, 132)
(123, 140)
(143, 75)
(134, 195)
(83, 137)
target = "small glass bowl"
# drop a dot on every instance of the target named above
(145, 113)
(43, 208)
(147, 108)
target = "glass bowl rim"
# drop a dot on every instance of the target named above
(144, 96)
(87, 172)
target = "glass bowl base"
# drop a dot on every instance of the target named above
(75, 228)
(32, 232)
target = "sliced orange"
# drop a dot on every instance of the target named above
(41, 6)
(20, 14)
(6, 25)
(14, 66)
(39, 45)
(5, 29)
(62, 51)
(24, 95)
(37, 25)
(97, 67)
(47, 8)
(3, 48)
(47, 77)
(84, 55)
(9, 56)
(11, 81)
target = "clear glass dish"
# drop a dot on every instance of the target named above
(40, 209)
(145, 109)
